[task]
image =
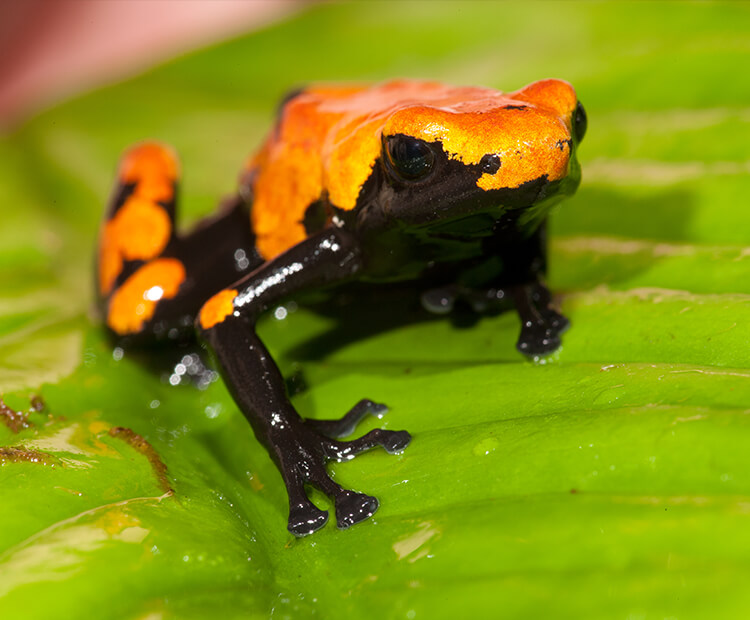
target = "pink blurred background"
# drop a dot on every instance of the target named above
(51, 50)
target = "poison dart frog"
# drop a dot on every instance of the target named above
(400, 181)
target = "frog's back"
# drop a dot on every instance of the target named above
(328, 138)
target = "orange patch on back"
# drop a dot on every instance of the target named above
(289, 174)
(217, 308)
(135, 301)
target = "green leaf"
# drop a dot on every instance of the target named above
(613, 480)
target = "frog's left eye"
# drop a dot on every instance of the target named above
(579, 122)
(410, 158)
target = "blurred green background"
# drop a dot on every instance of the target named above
(611, 482)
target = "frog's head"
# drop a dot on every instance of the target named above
(481, 152)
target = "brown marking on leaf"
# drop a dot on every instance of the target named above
(14, 420)
(71, 491)
(140, 445)
(255, 483)
(37, 403)
(20, 454)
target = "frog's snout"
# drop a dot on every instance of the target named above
(531, 193)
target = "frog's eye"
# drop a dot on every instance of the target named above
(579, 122)
(410, 158)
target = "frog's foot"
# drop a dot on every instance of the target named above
(541, 323)
(303, 454)
(442, 300)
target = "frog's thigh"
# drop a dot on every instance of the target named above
(167, 292)
(151, 280)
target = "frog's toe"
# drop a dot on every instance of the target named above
(353, 507)
(305, 518)
(556, 321)
(538, 342)
(391, 441)
(348, 423)
(541, 335)
(395, 441)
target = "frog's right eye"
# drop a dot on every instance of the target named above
(408, 158)
(579, 122)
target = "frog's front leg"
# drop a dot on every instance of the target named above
(520, 281)
(299, 448)
(524, 259)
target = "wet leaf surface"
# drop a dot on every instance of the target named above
(611, 481)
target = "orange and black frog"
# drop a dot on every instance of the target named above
(406, 181)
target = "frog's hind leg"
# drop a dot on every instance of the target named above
(139, 223)
(151, 281)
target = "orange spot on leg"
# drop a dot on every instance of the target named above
(218, 308)
(110, 259)
(143, 229)
(148, 158)
(153, 167)
(140, 230)
(135, 301)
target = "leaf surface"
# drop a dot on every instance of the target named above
(611, 481)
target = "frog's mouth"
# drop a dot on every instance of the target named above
(533, 200)
(464, 228)
(522, 209)
(524, 196)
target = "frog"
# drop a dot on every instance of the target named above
(404, 181)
